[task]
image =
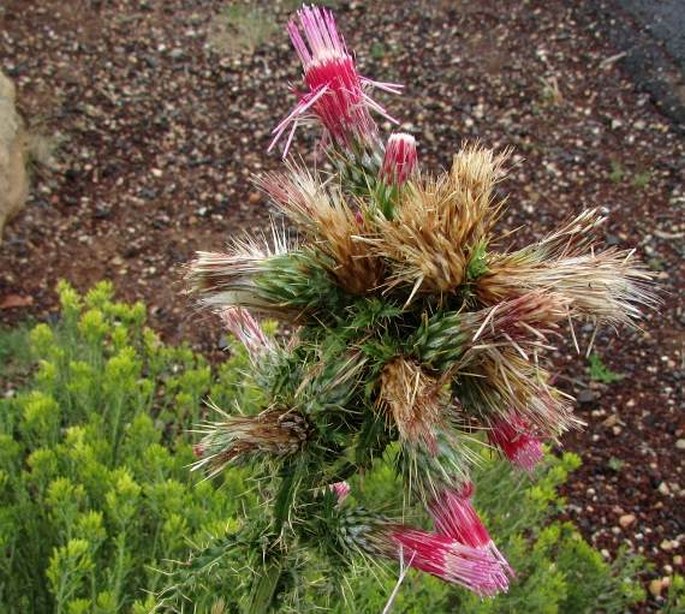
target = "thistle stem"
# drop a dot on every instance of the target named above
(264, 592)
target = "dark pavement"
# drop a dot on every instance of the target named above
(650, 35)
(662, 20)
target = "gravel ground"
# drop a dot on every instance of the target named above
(161, 121)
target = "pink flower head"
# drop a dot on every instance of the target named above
(455, 517)
(336, 92)
(512, 436)
(340, 490)
(400, 160)
(447, 559)
(433, 553)
(246, 329)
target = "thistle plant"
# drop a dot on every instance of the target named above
(411, 331)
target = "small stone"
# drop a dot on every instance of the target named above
(680, 444)
(612, 420)
(626, 520)
(102, 211)
(663, 489)
(156, 172)
(586, 396)
(655, 587)
(678, 560)
(666, 545)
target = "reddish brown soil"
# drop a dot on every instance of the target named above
(159, 135)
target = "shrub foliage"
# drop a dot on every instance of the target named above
(99, 513)
(95, 496)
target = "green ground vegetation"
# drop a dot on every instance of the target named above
(99, 511)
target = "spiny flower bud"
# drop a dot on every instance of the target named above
(400, 160)
(275, 432)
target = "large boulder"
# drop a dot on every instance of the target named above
(14, 181)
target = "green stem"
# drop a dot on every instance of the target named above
(119, 566)
(116, 419)
(264, 592)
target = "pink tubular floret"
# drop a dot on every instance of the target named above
(340, 490)
(512, 436)
(335, 91)
(246, 329)
(440, 555)
(454, 516)
(400, 159)
(321, 33)
(445, 558)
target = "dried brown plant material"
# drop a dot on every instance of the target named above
(274, 432)
(501, 380)
(331, 225)
(414, 401)
(225, 279)
(440, 222)
(246, 329)
(610, 286)
(524, 321)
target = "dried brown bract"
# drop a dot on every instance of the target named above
(330, 224)
(414, 401)
(440, 223)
